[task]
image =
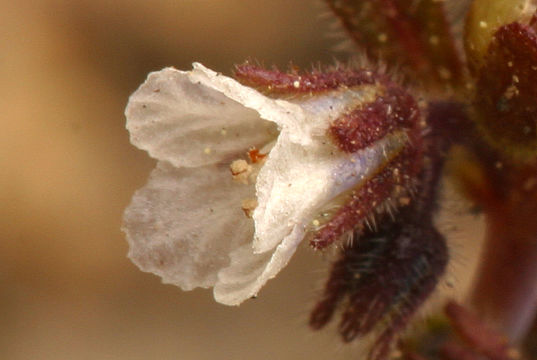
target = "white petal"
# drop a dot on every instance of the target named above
(304, 118)
(236, 282)
(248, 272)
(281, 112)
(185, 222)
(178, 119)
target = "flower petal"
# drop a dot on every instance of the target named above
(248, 272)
(177, 118)
(281, 112)
(185, 222)
(304, 117)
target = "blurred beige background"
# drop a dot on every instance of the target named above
(67, 170)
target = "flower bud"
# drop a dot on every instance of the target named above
(485, 18)
(501, 43)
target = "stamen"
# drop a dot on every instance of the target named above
(241, 171)
(246, 173)
(255, 155)
(248, 206)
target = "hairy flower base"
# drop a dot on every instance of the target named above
(387, 272)
(383, 278)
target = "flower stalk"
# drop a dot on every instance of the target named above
(505, 293)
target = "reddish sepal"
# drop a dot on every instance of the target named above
(394, 109)
(295, 82)
(386, 275)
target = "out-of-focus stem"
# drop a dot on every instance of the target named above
(506, 286)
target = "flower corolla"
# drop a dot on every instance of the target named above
(208, 217)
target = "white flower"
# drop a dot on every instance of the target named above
(187, 225)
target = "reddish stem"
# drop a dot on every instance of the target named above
(506, 287)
